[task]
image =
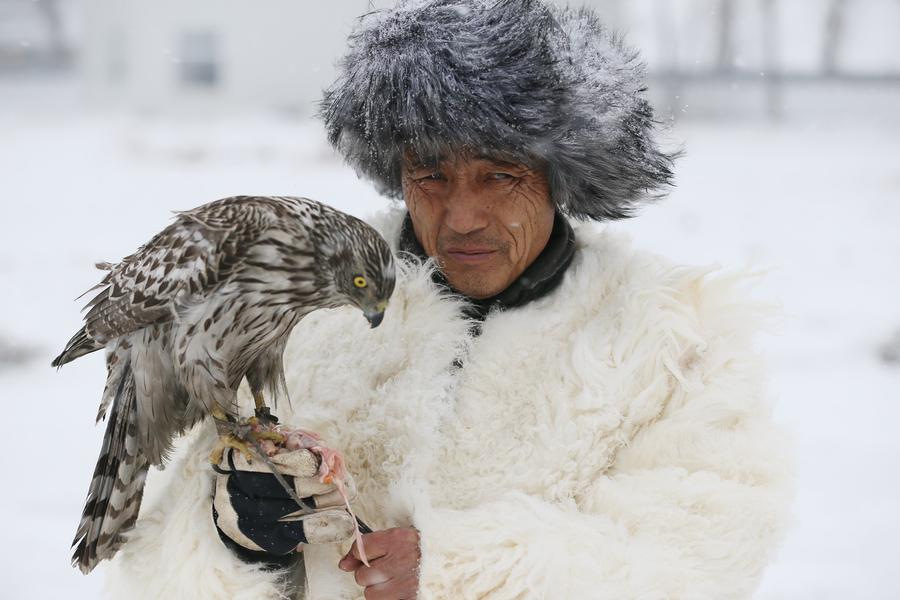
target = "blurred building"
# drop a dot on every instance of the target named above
(772, 58)
(212, 55)
(36, 35)
(706, 58)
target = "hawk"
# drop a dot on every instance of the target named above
(208, 301)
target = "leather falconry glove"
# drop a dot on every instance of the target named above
(255, 512)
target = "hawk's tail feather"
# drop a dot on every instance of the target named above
(80, 344)
(114, 496)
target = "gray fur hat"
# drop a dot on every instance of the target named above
(516, 79)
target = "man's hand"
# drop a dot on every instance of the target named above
(393, 556)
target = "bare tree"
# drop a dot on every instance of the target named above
(50, 15)
(835, 22)
(667, 37)
(771, 60)
(725, 51)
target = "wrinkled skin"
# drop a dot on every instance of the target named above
(484, 221)
(393, 568)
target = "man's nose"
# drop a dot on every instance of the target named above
(466, 210)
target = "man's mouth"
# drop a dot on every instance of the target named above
(470, 256)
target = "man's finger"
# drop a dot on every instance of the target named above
(379, 592)
(402, 589)
(369, 576)
(348, 563)
(377, 544)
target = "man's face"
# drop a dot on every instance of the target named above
(483, 221)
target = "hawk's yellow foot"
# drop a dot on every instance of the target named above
(230, 441)
(258, 431)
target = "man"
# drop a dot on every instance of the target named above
(549, 414)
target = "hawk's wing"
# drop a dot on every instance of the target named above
(180, 266)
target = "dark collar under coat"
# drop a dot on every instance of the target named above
(538, 280)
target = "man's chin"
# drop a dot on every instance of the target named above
(475, 285)
(478, 280)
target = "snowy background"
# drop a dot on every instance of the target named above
(800, 179)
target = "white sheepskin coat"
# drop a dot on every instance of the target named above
(608, 441)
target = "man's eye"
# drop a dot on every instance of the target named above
(501, 176)
(435, 176)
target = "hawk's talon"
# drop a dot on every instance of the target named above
(230, 441)
(265, 416)
(268, 435)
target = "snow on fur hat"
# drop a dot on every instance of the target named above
(514, 79)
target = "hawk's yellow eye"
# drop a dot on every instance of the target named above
(359, 281)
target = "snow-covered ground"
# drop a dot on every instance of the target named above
(818, 208)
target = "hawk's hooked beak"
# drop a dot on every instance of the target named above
(375, 315)
(374, 318)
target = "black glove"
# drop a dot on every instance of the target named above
(255, 514)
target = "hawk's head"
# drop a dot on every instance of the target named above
(361, 267)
